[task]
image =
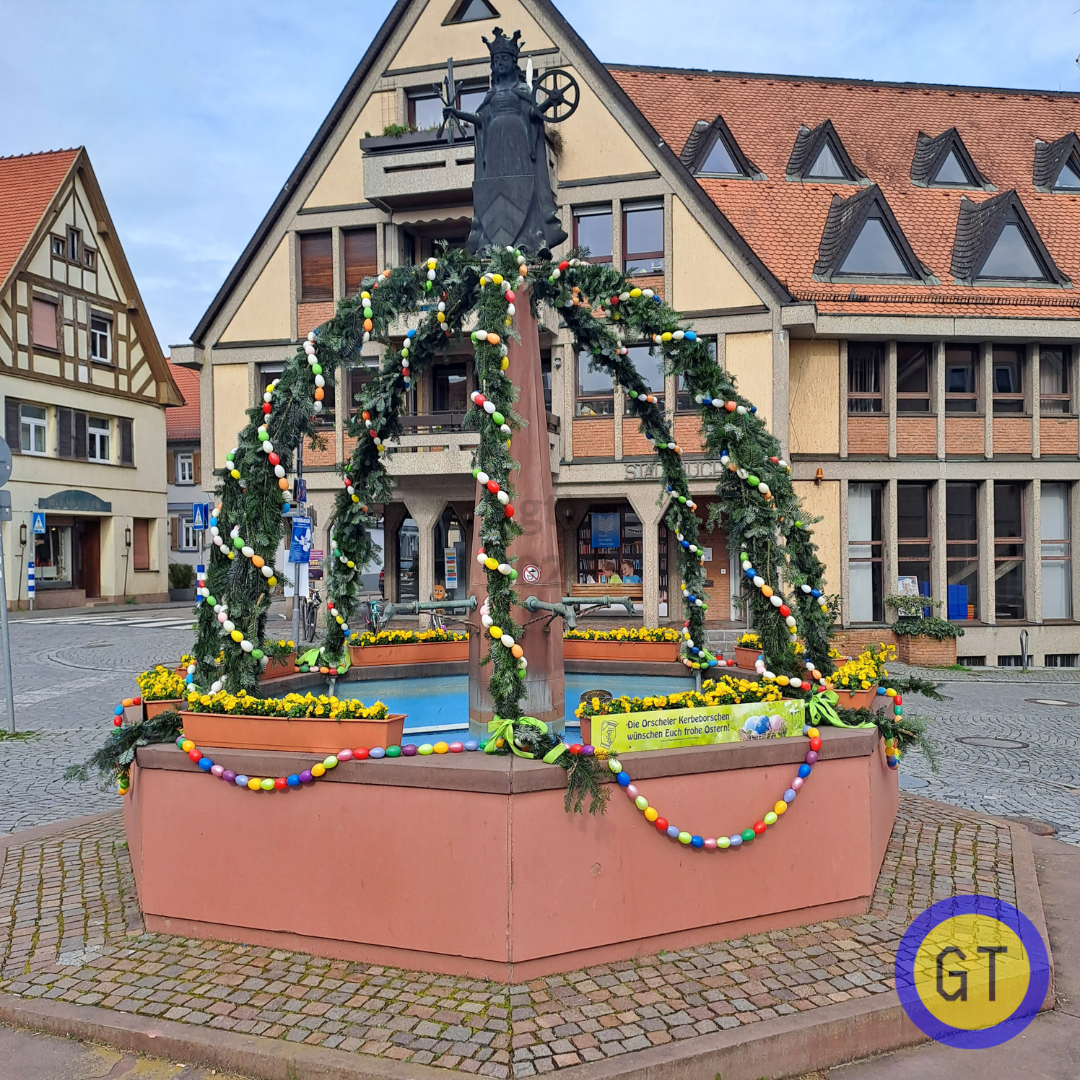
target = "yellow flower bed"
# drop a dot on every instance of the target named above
(290, 706)
(279, 649)
(626, 633)
(161, 684)
(723, 691)
(750, 640)
(864, 670)
(404, 637)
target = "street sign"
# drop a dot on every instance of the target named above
(39, 524)
(531, 574)
(5, 465)
(198, 517)
(300, 545)
(300, 489)
(450, 567)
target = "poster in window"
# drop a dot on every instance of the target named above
(907, 586)
(605, 530)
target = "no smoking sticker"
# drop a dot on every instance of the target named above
(531, 574)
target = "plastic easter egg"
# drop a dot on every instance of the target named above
(217, 770)
(815, 743)
(377, 752)
(770, 818)
(293, 781)
(267, 785)
(306, 776)
(330, 762)
(393, 751)
(441, 747)
(456, 747)
(425, 749)
(471, 744)
(811, 757)
(318, 769)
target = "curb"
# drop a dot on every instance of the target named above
(786, 1046)
(42, 832)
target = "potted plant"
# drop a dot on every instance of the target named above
(161, 688)
(923, 639)
(295, 722)
(181, 581)
(747, 650)
(650, 644)
(282, 658)
(407, 647)
(856, 681)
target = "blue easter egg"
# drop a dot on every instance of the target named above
(690, 335)
(697, 841)
(293, 781)
(205, 764)
(815, 592)
(804, 771)
(624, 779)
(881, 691)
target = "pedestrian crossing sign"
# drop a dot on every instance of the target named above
(39, 524)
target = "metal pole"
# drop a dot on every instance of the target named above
(6, 640)
(296, 601)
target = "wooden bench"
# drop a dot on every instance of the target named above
(613, 589)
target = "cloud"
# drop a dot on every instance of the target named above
(195, 113)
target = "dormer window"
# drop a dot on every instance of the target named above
(996, 241)
(862, 239)
(1057, 165)
(819, 154)
(826, 167)
(944, 161)
(471, 11)
(711, 150)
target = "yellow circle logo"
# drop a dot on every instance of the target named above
(972, 971)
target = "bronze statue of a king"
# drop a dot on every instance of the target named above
(512, 199)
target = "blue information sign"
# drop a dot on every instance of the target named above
(300, 546)
(198, 517)
(39, 523)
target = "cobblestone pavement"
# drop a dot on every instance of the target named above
(74, 934)
(1001, 751)
(69, 673)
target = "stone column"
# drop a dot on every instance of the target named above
(425, 511)
(939, 572)
(986, 396)
(938, 397)
(987, 581)
(393, 515)
(1033, 397)
(890, 550)
(845, 576)
(1033, 553)
(890, 393)
(843, 403)
(643, 498)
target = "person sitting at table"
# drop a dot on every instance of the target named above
(628, 575)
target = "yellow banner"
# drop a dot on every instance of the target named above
(621, 733)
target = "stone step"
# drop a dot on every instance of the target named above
(722, 642)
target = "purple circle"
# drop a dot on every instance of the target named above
(1038, 978)
(588, 750)
(377, 752)
(306, 777)
(471, 744)
(408, 750)
(811, 757)
(228, 776)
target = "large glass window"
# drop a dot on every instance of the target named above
(595, 390)
(913, 535)
(684, 400)
(610, 548)
(1012, 258)
(100, 339)
(961, 365)
(1054, 387)
(32, 429)
(408, 582)
(1009, 550)
(962, 550)
(643, 238)
(592, 229)
(1008, 380)
(913, 377)
(52, 556)
(1056, 551)
(864, 553)
(425, 110)
(865, 360)
(451, 566)
(874, 254)
(651, 368)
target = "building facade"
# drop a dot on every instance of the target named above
(85, 389)
(887, 270)
(183, 469)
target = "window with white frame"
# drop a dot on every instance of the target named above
(33, 421)
(185, 469)
(1056, 551)
(188, 539)
(100, 339)
(98, 432)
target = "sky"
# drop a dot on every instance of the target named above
(194, 112)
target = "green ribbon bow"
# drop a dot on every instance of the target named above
(499, 728)
(823, 711)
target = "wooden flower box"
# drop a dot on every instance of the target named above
(309, 734)
(646, 651)
(155, 708)
(745, 657)
(415, 653)
(278, 666)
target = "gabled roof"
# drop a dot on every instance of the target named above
(1051, 158)
(932, 153)
(701, 140)
(809, 143)
(28, 184)
(844, 225)
(880, 123)
(978, 228)
(553, 21)
(184, 422)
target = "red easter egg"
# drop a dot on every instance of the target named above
(136, 701)
(195, 755)
(898, 700)
(815, 743)
(492, 486)
(575, 749)
(118, 721)
(509, 296)
(266, 407)
(281, 783)
(759, 827)
(360, 753)
(274, 459)
(661, 824)
(785, 610)
(508, 510)
(564, 266)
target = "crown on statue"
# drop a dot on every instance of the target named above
(500, 43)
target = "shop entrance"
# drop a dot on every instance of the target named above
(86, 556)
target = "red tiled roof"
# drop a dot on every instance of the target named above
(183, 422)
(782, 220)
(27, 186)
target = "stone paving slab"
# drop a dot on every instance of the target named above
(73, 933)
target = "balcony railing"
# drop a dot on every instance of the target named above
(399, 170)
